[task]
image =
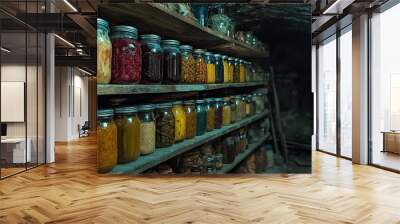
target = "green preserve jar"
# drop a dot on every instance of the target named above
(201, 117)
(106, 141)
(128, 133)
(165, 126)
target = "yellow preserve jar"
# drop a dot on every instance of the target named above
(210, 67)
(128, 133)
(104, 52)
(191, 119)
(180, 121)
(231, 65)
(225, 67)
(242, 71)
(106, 141)
(226, 112)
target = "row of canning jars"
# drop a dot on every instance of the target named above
(125, 133)
(123, 59)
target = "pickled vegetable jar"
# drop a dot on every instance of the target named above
(180, 121)
(234, 115)
(225, 68)
(218, 113)
(236, 71)
(201, 66)
(165, 126)
(210, 107)
(249, 74)
(191, 118)
(201, 117)
(126, 55)
(152, 59)
(219, 68)
(147, 129)
(226, 112)
(172, 61)
(228, 150)
(128, 133)
(104, 52)
(242, 71)
(210, 67)
(107, 150)
(188, 66)
(231, 65)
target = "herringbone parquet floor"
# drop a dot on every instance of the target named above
(70, 191)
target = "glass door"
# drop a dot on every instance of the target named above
(326, 86)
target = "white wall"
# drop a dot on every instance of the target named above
(71, 102)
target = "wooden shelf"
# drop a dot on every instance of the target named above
(157, 19)
(163, 154)
(117, 89)
(239, 158)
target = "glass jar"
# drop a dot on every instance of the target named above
(231, 64)
(210, 67)
(172, 61)
(152, 59)
(201, 13)
(219, 161)
(225, 68)
(104, 52)
(248, 37)
(259, 102)
(147, 129)
(165, 126)
(191, 118)
(245, 106)
(210, 107)
(128, 133)
(188, 66)
(218, 113)
(219, 68)
(236, 71)
(249, 106)
(238, 103)
(234, 116)
(249, 74)
(220, 22)
(208, 164)
(201, 117)
(126, 55)
(201, 66)
(228, 147)
(243, 140)
(226, 112)
(180, 121)
(242, 71)
(238, 145)
(107, 150)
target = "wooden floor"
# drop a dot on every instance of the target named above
(70, 191)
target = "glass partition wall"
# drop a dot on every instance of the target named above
(334, 94)
(22, 77)
(385, 89)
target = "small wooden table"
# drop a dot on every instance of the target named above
(391, 141)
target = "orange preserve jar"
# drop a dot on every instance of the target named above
(106, 141)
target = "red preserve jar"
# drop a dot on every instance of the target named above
(126, 55)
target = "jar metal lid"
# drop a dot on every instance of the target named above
(150, 37)
(200, 101)
(146, 107)
(179, 102)
(105, 113)
(217, 55)
(210, 100)
(231, 58)
(122, 31)
(125, 110)
(170, 42)
(199, 51)
(188, 102)
(164, 105)
(238, 97)
(103, 23)
(224, 56)
(207, 53)
(186, 47)
(218, 99)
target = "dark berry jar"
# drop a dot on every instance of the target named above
(152, 59)
(172, 61)
(126, 55)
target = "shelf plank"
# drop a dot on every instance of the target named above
(239, 158)
(163, 154)
(155, 18)
(117, 89)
